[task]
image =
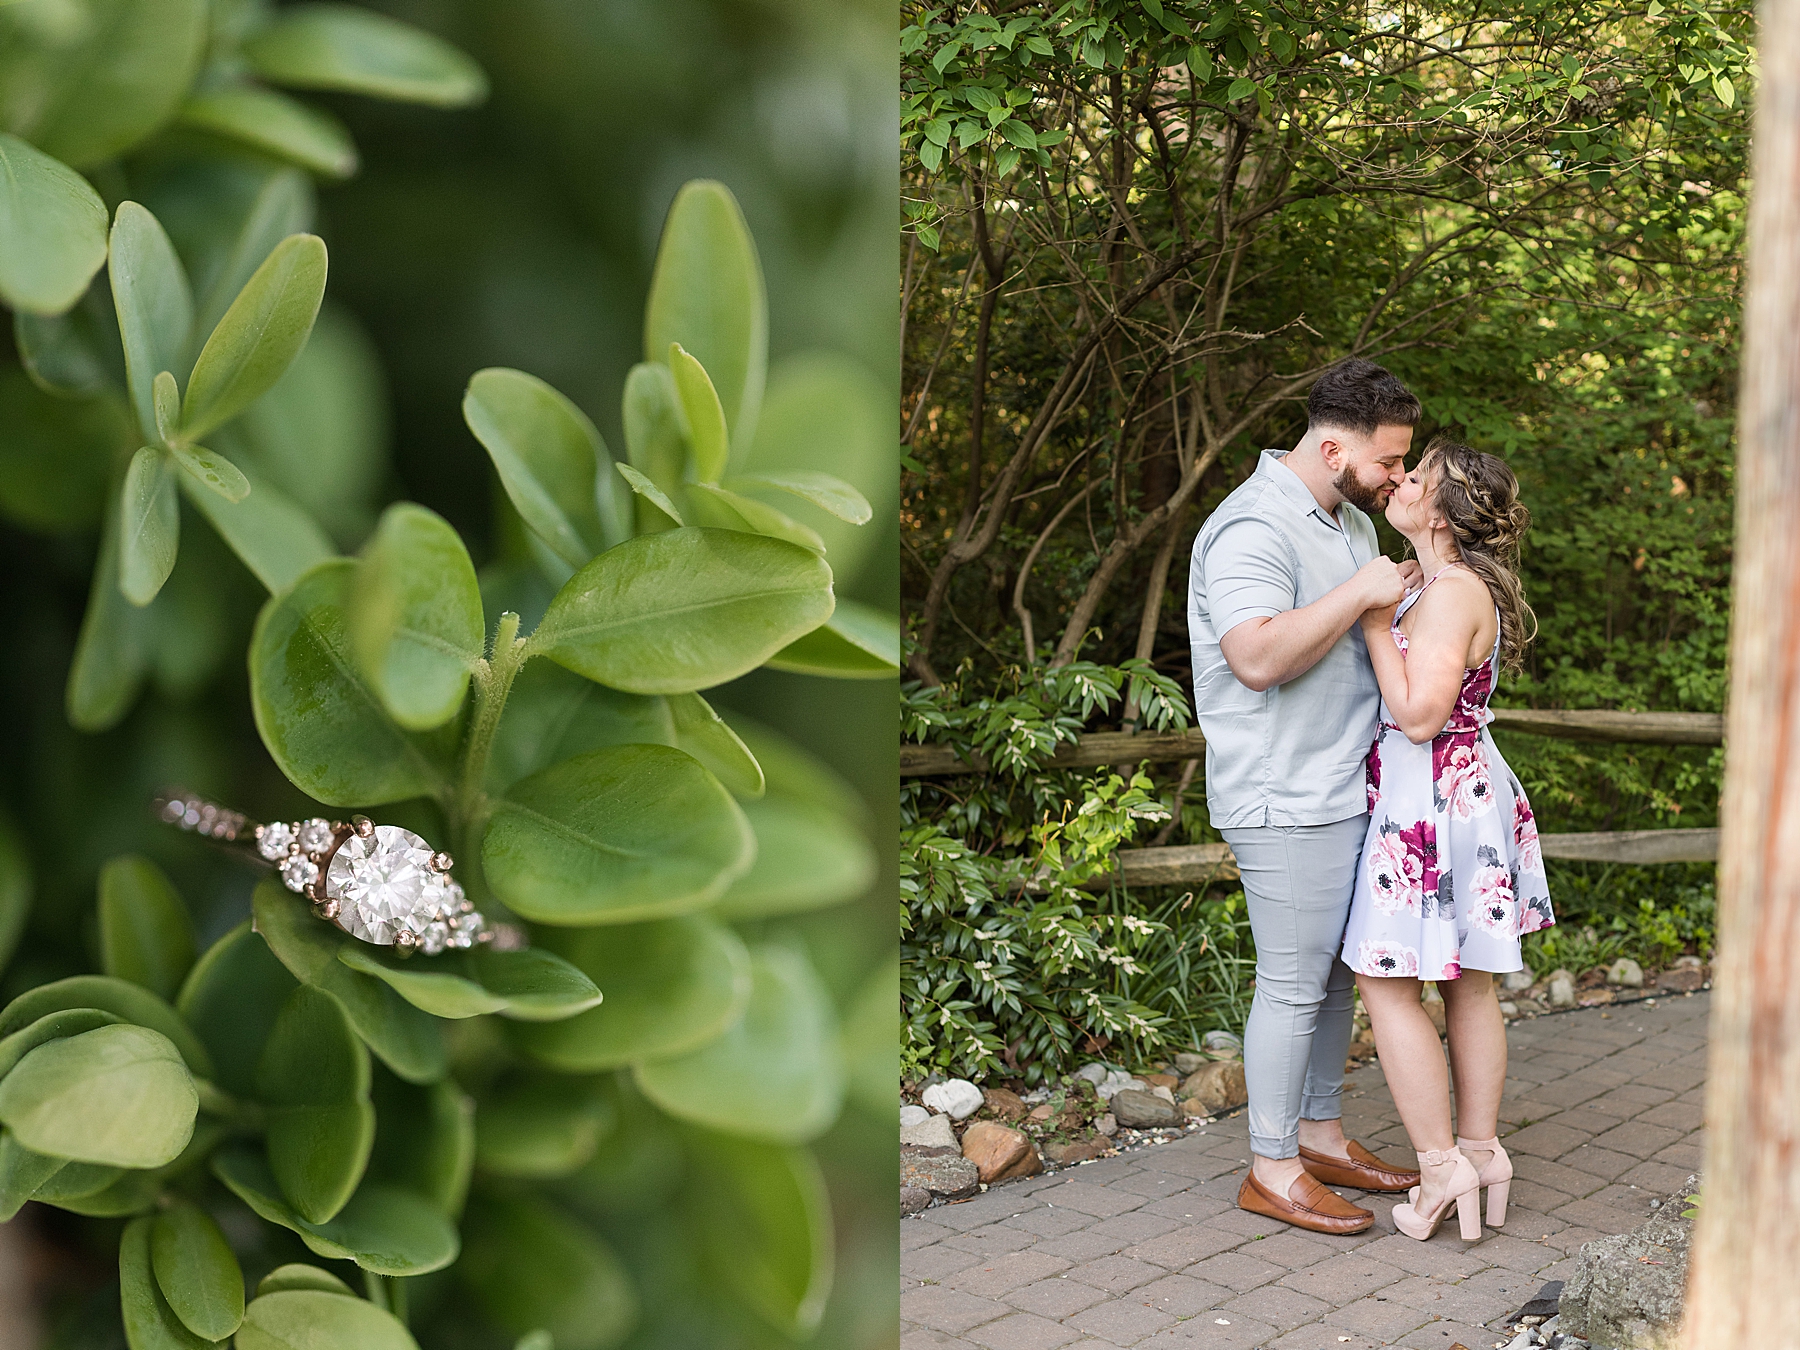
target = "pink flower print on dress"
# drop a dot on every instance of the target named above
(1463, 787)
(1421, 843)
(1525, 837)
(1386, 958)
(1495, 908)
(1452, 970)
(1535, 915)
(1394, 872)
(1372, 774)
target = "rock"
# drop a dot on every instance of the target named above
(913, 1115)
(958, 1099)
(1188, 1061)
(913, 1199)
(1508, 1008)
(1627, 1290)
(1219, 1087)
(1080, 1151)
(1005, 1105)
(1042, 1112)
(1222, 1044)
(1517, 981)
(952, 1177)
(999, 1152)
(1156, 1080)
(1094, 1073)
(1682, 980)
(1140, 1110)
(1562, 990)
(1625, 972)
(1688, 963)
(934, 1132)
(1117, 1081)
(1107, 1125)
(1166, 1093)
(1195, 1110)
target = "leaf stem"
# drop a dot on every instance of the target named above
(493, 683)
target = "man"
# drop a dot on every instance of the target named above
(1288, 703)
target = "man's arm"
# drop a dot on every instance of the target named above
(1266, 651)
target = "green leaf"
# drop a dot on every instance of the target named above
(15, 888)
(763, 1217)
(153, 303)
(322, 723)
(146, 936)
(775, 1075)
(702, 415)
(282, 207)
(707, 294)
(150, 1323)
(540, 1128)
(52, 230)
(532, 1266)
(271, 536)
(56, 456)
(671, 986)
(685, 609)
(314, 1079)
(728, 511)
(196, 1271)
(615, 836)
(823, 490)
(550, 459)
(76, 354)
(402, 1037)
(50, 1027)
(645, 487)
(298, 1275)
(314, 1319)
(74, 1183)
(107, 994)
(231, 999)
(871, 1039)
(807, 857)
(22, 1172)
(165, 401)
(531, 985)
(424, 1140)
(113, 649)
(324, 46)
(653, 437)
(702, 733)
(118, 1095)
(259, 336)
(276, 125)
(415, 616)
(149, 525)
(858, 642)
(553, 714)
(212, 471)
(383, 1228)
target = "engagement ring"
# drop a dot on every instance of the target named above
(379, 883)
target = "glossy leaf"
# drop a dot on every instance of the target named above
(702, 733)
(728, 511)
(22, 1172)
(76, 354)
(314, 1319)
(231, 998)
(539, 1128)
(328, 46)
(153, 303)
(858, 642)
(213, 472)
(654, 442)
(271, 536)
(671, 986)
(383, 1229)
(322, 723)
(165, 399)
(196, 1272)
(112, 651)
(118, 1095)
(146, 936)
(774, 1075)
(402, 1037)
(50, 1027)
(550, 459)
(823, 490)
(150, 1323)
(764, 1218)
(807, 857)
(685, 609)
(314, 1079)
(126, 1001)
(553, 714)
(707, 294)
(116, 77)
(531, 985)
(75, 1183)
(149, 525)
(52, 230)
(643, 486)
(283, 206)
(298, 1275)
(871, 1039)
(615, 836)
(275, 124)
(424, 1140)
(15, 888)
(532, 1266)
(702, 416)
(258, 337)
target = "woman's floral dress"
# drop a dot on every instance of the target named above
(1451, 875)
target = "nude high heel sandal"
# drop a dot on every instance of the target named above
(1496, 1175)
(1464, 1189)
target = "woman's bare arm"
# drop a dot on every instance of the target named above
(1421, 687)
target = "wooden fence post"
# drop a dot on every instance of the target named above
(1743, 1291)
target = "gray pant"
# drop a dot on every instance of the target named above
(1298, 880)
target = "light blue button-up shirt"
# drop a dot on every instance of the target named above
(1293, 754)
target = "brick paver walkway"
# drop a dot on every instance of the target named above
(1602, 1114)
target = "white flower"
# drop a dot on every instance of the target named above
(1386, 958)
(1394, 875)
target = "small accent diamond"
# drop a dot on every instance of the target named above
(434, 938)
(297, 873)
(465, 929)
(315, 835)
(273, 841)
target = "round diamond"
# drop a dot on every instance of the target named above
(384, 885)
(315, 835)
(273, 841)
(434, 938)
(298, 873)
(464, 929)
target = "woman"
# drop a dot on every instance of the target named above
(1450, 875)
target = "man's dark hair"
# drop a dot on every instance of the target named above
(1360, 396)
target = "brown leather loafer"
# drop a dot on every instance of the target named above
(1307, 1205)
(1362, 1171)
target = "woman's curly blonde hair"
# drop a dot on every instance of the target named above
(1478, 496)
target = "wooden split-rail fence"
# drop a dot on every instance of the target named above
(1197, 864)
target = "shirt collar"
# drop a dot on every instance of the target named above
(1288, 482)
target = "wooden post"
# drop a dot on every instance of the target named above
(1743, 1291)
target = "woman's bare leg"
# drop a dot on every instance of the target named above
(1477, 1051)
(1412, 1059)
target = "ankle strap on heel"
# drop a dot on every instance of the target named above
(1490, 1145)
(1438, 1157)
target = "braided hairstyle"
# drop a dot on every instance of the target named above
(1478, 496)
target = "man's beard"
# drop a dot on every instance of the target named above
(1353, 490)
